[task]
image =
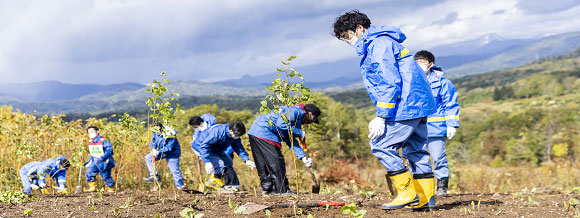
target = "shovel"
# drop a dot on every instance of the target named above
(316, 184)
(253, 207)
(79, 188)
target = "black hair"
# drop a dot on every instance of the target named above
(195, 121)
(238, 128)
(425, 55)
(159, 124)
(65, 163)
(350, 21)
(93, 127)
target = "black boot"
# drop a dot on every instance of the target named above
(442, 185)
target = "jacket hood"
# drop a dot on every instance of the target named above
(60, 157)
(438, 70)
(376, 31)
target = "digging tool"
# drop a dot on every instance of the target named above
(253, 207)
(316, 184)
(390, 184)
(79, 188)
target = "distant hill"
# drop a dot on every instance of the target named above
(50, 91)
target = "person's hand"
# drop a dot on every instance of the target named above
(303, 135)
(154, 152)
(451, 131)
(307, 161)
(42, 184)
(208, 168)
(376, 128)
(251, 164)
(34, 187)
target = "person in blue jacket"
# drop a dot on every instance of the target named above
(33, 175)
(164, 145)
(266, 135)
(213, 143)
(402, 97)
(100, 160)
(444, 122)
(200, 124)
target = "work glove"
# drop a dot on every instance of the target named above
(42, 184)
(154, 152)
(251, 164)
(209, 168)
(451, 132)
(61, 189)
(303, 135)
(307, 161)
(376, 128)
(34, 187)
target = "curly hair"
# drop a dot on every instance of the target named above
(349, 21)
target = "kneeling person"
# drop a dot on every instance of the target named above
(33, 175)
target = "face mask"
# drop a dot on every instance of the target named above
(354, 39)
(237, 137)
(423, 67)
(92, 135)
(202, 127)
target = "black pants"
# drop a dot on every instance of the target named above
(230, 176)
(270, 165)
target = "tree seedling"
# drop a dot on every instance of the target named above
(351, 211)
(28, 212)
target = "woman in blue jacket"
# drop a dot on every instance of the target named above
(402, 97)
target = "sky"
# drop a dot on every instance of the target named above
(115, 41)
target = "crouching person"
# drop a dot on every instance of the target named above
(33, 175)
(164, 145)
(100, 161)
(212, 148)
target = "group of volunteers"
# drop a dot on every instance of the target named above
(416, 110)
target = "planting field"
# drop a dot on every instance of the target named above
(170, 204)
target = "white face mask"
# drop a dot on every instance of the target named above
(353, 40)
(202, 126)
(424, 67)
(92, 135)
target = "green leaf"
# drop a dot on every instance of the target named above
(187, 212)
(240, 210)
(199, 215)
(230, 203)
(574, 202)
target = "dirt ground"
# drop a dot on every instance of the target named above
(149, 204)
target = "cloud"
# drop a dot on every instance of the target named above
(108, 41)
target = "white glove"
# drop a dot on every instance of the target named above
(376, 128)
(34, 187)
(303, 136)
(451, 132)
(307, 161)
(251, 164)
(154, 152)
(42, 184)
(209, 168)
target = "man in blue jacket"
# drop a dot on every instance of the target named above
(266, 135)
(400, 91)
(33, 175)
(214, 142)
(164, 145)
(201, 124)
(100, 160)
(444, 122)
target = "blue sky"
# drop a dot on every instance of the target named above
(106, 41)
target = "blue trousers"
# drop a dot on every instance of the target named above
(220, 162)
(173, 164)
(94, 169)
(410, 136)
(436, 146)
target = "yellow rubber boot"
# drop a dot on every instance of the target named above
(92, 187)
(215, 183)
(426, 191)
(44, 191)
(407, 195)
(111, 189)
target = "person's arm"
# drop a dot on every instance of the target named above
(154, 144)
(60, 178)
(170, 143)
(42, 172)
(208, 140)
(298, 151)
(108, 147)
(382, 77)
(240, 150)
(449, 99)
(293, 118)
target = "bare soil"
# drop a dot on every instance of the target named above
(169, 204)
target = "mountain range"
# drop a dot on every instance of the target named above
(485, 54)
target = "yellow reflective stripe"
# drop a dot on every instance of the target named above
(61, 180)
(385, 105)
(404, 52)
(450, 117)
(435, 119)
